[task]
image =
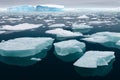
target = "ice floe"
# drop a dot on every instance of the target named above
(93, 59)
(24, 47)
(108, 39)
(81, 28)
(61, 33)
(69, 50)
(19, 27)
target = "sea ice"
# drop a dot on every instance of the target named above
(93, 59)
(107, 39)
(69, 50)
(61, 33)
(19, 27)
(83, 17)
(24, 47)
(57, 26)
(1, 32)
(81, 28)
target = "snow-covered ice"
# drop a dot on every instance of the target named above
(61, 33)
(19, 27)
(24, 47)
(93, 59)
(81, 28)
(69, 50)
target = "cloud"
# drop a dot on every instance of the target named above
(68, 3)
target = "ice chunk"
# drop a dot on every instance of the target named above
(69, 50)
(99, 71)
(19, 27)
(81, 28)
(1, 32)
(61, 33)
(23, 47)
(83, 17)
(93, 59)
(35, 59)
(107, 39)
(56, 26)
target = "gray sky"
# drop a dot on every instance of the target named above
(66, 3)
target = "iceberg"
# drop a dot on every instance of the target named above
(93, 59)
(108, 39)
(24, 47)
(81, 28)
(69, 50)
(63, 34)
(36, 8)
(22, 8)
(49, 8)
(20, 27)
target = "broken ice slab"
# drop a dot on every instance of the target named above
(20, 27)
(91, 72)
(69, 50)
(24, 47)
(107, 39)
(93, 59)
(81, 28)
(63, 34)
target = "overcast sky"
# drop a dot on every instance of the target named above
(66, 3)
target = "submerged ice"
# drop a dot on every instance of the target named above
(93, 59)
(69, 50)
(24, 47)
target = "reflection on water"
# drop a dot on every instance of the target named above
(99, 71)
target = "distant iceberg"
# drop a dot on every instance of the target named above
(37, 8)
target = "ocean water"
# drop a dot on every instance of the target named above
(51, 67)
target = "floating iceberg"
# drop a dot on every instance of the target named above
(107, 39)
(49, 8)
(20, 27)
(37, 8)
(93, 59)
(69, 50)
(57, 26)
(63, 34)
(22, 8)
(24, 47)
(81, 28)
